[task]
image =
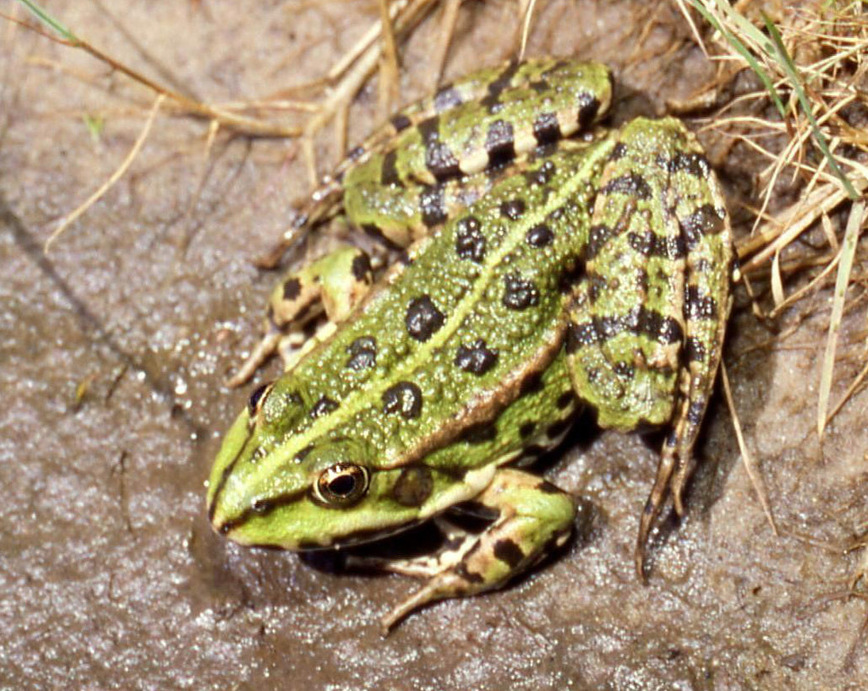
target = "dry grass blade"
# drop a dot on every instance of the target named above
(107, 185)
(527, 7)
(848, 393)
(187, 105)
(791, 223)
(793, 75)
(389, 77)
(747, 459)
(716, 13)
(845, 266)
(447, 30)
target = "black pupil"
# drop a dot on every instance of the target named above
(255, 397)
(343, 485)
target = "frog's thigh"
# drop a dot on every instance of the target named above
(334, 283)
(647, 322)
(626, 315)
(534, 517)
(402, 213)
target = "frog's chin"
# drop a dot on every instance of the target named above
(250, 537)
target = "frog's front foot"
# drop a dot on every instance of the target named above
(534, 518)
(333, 284)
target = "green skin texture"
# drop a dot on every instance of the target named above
(556, 264)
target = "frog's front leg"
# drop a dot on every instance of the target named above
(333, 284)
(647, 321)
(533, 517)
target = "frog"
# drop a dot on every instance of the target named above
(546, 264)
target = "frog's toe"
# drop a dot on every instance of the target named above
(264, 349)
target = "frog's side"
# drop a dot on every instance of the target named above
(595, 272)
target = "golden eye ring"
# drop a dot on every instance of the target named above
(342, 484)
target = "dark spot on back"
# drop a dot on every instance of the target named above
(624, 370)
(432, 205)
(476, 358)
(469, 240)
(363, 353)
(572, 271)
(542, 175)
(423, 318)
(596, 285)
(541, 86)
(520, 293)
(540, 236)
(301, 455)
(513, 209)
(404, 398)
(526, 430)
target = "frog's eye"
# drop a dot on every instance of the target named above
(257, 398)
(342, 484)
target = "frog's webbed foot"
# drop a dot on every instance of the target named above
(333, 284)
(533, 518)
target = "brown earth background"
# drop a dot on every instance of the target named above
(110, 576)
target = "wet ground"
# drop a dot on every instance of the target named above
(115, 346)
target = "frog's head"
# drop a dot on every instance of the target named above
(271, 485)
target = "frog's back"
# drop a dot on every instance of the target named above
(452, 338)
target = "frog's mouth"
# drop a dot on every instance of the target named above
(235, 444)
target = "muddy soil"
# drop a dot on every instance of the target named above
(116, 344)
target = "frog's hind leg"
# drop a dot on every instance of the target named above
(646, 321)
(533, 517)
(333, 284)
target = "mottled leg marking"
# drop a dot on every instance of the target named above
(457, 543)
(534, 517)
(647, 321)
(334, 283)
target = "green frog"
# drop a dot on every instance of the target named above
(545, 263)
